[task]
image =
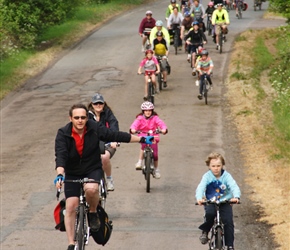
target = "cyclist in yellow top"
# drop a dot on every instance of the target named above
(220, 18)
(161, 52)
(170, 7)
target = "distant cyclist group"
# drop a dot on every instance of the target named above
(78, 147)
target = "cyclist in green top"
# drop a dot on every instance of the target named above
(170, 7)
(220, 18)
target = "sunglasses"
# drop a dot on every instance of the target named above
(78, 117)
(98, 103)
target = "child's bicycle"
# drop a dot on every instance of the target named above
(217, 238)
(148, 168)
(205, 87)
(150, 88)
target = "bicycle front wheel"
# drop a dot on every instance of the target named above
(175, 42)
(219, 239)
(160, 81)
(147, 171)
(80, 229)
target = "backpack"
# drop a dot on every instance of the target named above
(58, 214)
(102, 236)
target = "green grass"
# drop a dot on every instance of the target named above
(8, 78)
(55, 35)
(240, 38)
(238, 75)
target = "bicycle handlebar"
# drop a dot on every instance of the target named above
(218, 202)
(82, 181)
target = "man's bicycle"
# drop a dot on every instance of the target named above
(217, 238)
(209, 26)
(221, 38)
(240, 8)
(147, 32)
(176, 34)
(82, 229)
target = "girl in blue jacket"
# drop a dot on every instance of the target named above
(217, 184)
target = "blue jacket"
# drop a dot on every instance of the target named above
(223, 188)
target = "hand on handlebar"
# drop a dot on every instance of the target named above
(58, 181)
(147, 139)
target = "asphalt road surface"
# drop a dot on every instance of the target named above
(107, 62)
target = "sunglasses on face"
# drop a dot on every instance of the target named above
(78, 117)
(98, 103)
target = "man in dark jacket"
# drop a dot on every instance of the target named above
(77, 155)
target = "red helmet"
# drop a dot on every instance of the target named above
(245, 6)
(211, 4)
(148, 51)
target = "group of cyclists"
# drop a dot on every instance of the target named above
(189, 20)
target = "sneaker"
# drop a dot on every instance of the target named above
(199, 96)
(193, 71)
(230, 248)
(145, 98)
(197, 82)
(203, 238)
(211, 87)
(188, 58)
(156, 173)
(71, 247)
(217, 46)
(142, 49)
(138, 166)
(94, 221)
(164, 84)
(110, 185)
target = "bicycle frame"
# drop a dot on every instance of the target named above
(217, 239)
(82, 229)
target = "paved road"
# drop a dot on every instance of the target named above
(107, 61)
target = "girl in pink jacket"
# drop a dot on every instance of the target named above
(146, 121)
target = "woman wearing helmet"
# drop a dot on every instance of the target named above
(146, 24)
(204, 68)
(146, 121)
(194, 39)
(151, 66)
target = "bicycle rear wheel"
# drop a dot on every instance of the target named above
(80, 229)
(205, 90)
(150, 92)
(221, 42)
(219, 239)
(147, 171)
(175, 42)
(160, 80)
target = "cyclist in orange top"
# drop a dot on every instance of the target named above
(150, 65)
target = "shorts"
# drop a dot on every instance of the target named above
(111, 150)
(73, 189)
(218, 28)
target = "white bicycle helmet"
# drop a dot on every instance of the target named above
(159, 23)
(148, 12)
(147, 106)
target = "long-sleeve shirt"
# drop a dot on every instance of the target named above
(222, 188)
(220, 16)
(146, 24)
(175, 19)
(196, 37)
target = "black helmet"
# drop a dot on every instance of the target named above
(159, 33)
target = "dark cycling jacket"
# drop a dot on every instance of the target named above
(66, 154)
(107, 118)
(196, 37)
